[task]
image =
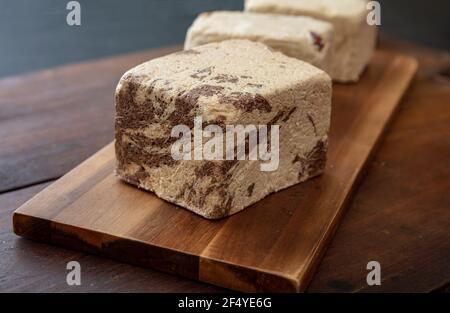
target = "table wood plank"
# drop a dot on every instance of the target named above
(398, 215)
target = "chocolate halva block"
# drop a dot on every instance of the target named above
(241, 95)
(303, 38)
(354, 38)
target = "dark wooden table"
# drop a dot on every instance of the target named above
(52, 120)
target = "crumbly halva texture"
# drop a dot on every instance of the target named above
(354, 38)
(303, 38)
(235, 82)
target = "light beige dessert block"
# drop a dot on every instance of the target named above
(235, 82)
(303, 38)
(354, 38)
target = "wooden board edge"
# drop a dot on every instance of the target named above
(106, 245)
(31, 227)
(207, 270)
(244, 278)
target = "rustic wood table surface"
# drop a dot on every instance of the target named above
(52, 120)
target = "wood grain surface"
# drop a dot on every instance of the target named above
(47, 117)
(274, 245)
(401, 203)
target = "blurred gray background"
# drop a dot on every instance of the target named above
(34, 33)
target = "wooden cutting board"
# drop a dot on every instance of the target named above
(275, 245)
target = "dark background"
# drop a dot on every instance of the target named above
(34, 33)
